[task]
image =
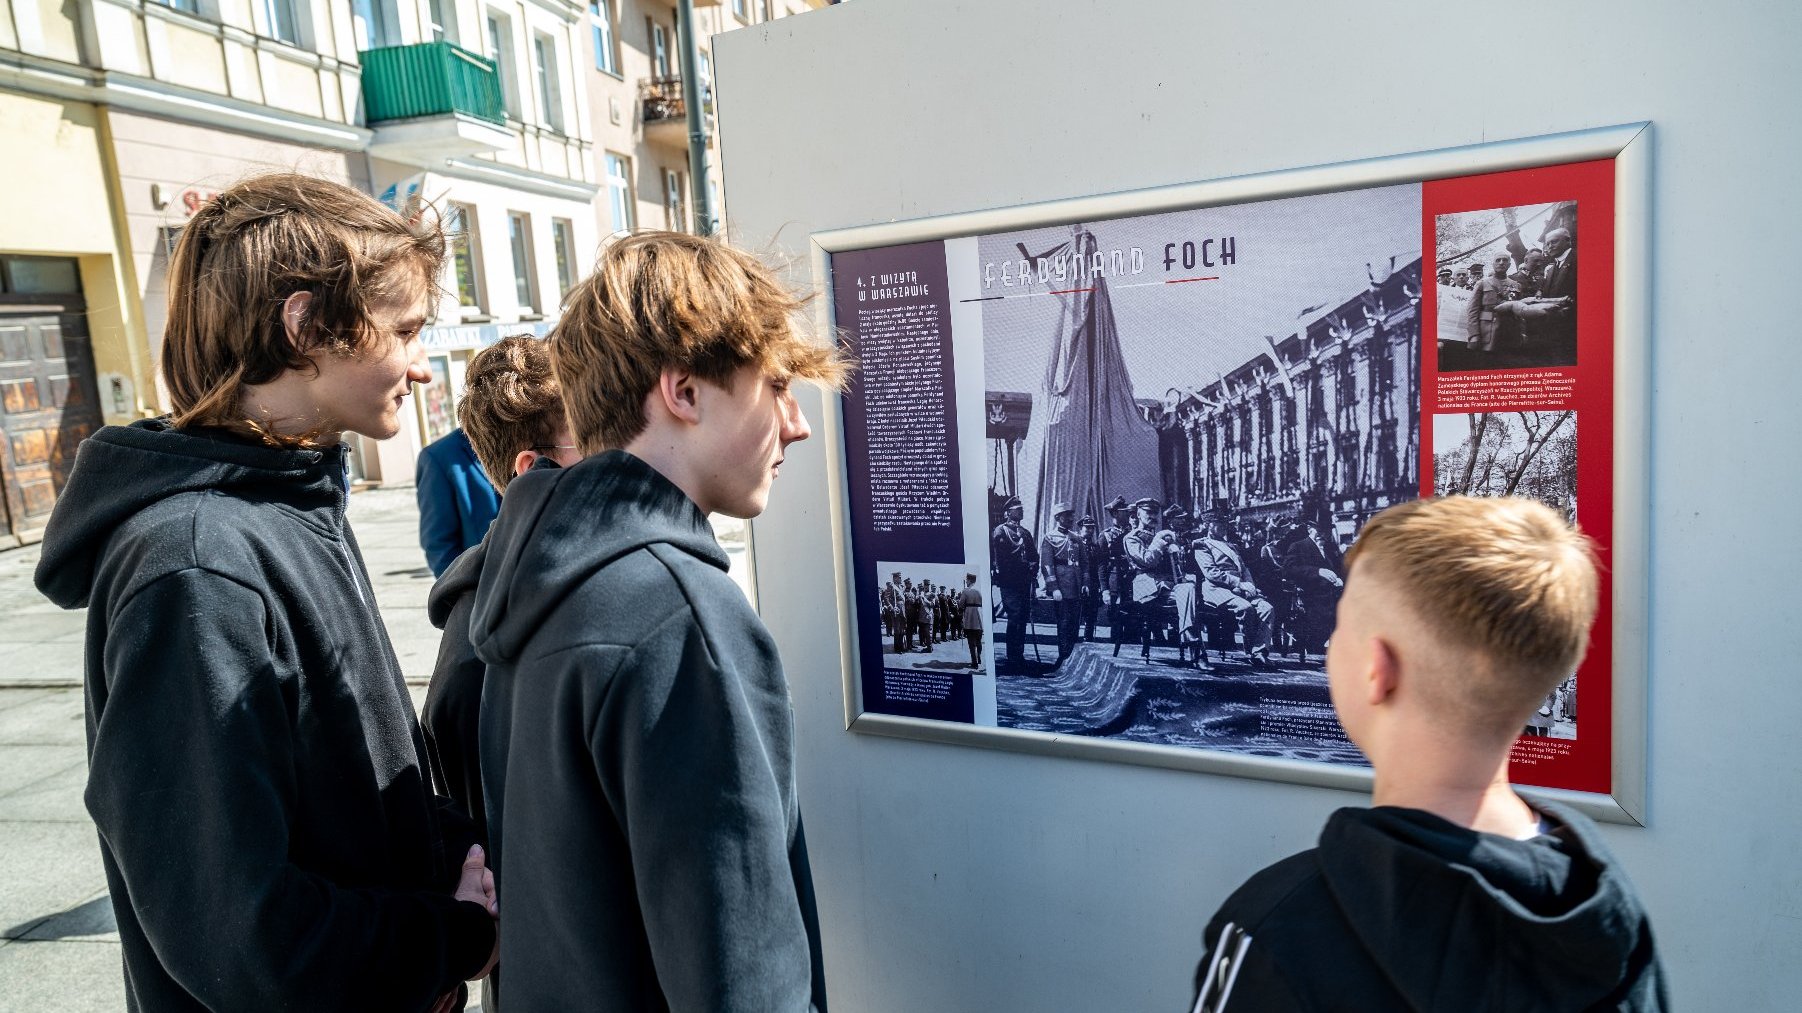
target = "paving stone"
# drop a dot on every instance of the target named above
(50, 719)
(55, 797)
(51, 868)
(22, 766)
(64, 976)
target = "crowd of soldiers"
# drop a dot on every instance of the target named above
(1526, 298)
(1152, 566)
(917, 616)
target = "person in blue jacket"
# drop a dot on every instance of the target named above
(456, 500)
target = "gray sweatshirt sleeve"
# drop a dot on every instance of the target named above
(683, 747)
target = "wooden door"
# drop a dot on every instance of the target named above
(48, 404)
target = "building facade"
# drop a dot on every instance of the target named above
(534, 128)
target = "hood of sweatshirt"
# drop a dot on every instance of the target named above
(461, 577)
(558, 527)
(1449, 912)
(121, 470)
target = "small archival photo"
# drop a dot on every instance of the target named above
(933, 617)
(1507, 287)
(1532, 454)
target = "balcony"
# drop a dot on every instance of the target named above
(665, 112)
(432, 101)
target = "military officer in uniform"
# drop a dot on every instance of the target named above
(1227, 584)
(1063, 565)
(1157, 566)
(1014, 568)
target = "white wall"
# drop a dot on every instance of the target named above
(963, 879)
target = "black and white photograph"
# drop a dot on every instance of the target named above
(1528, 453)
(1507, 287)
(933, 617)
(1189, 416)
(1524, 453)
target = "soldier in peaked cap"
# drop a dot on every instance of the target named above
(1157, 566)
(1091, 597)
(1013, 568)
(1064, 563)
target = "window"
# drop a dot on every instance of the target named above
(619, 191)
(660, 65)
(706, 81)
(374, 21)
(186, 6)
(284, 20)
(600, 13)
(741, 9)
(460, 228)
(519, 233)
(550, 96)
(675, 201)
(763, 10)
(563, 239)
(442, 29)
(500, 50)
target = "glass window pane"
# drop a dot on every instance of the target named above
(522, 259)
(32, 275)
(458, 226)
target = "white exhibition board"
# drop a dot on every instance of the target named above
(955, 878)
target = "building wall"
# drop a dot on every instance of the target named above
(953, 878)
(59, 202)
(616, 102)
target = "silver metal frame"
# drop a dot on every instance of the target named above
(1629, 145)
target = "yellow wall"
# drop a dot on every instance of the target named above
(60, 202)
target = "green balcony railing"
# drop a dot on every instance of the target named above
(430, 79)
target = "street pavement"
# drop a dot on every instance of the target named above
(59, 947)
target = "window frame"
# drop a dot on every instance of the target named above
(563, 247)
(297, 12)
(525, 274)
(499, 40)
(468, 236)
(620, 202)
(675, 200)
(606, 37)
(550, 85)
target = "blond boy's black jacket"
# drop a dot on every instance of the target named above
(1398, 909)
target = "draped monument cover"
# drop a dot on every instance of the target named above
(1087, 442)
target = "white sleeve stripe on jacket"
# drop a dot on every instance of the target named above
(1220, 963)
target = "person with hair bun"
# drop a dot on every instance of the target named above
(269, 837)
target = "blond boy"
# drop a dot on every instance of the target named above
(1452, 892)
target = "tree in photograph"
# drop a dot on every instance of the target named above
(1513, 453)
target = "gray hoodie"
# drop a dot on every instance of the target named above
(637, 757)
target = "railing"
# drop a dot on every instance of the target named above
(661, 99)
(430, 79)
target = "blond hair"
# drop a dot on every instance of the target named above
(1504, 579)
(668, 300)
(510, 403)
(252, 246)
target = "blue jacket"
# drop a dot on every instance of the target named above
(456, 500)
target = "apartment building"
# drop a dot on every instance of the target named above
(479, 108)
(122, 116)
(640, 117)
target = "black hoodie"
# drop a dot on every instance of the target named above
(637, 757)
(267, 834)
(453, 701)
(1398, 909)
